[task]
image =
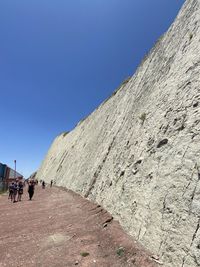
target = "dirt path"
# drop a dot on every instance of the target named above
(61, 229)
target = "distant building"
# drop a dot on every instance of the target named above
(8, 175)
(12, 175)
(3, 175)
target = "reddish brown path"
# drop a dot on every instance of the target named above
(58, 228)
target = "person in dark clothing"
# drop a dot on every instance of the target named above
(31, 189)
(51, 183)
(15, 191)
(11, 191)
(43, 184)
(20, 191)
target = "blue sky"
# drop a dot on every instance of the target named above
(59, 59)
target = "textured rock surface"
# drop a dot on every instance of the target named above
(138, 154)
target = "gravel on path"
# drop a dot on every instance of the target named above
(59, 228)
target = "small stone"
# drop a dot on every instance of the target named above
(162, 143)
(139, 161)
(156, 257)
(134, 171)
(76, 263)
(195, 104)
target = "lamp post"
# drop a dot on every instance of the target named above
(15, 169)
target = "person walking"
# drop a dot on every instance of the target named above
(15, 191)
(31, 189)
(51, 183)
(20, 191)
(11, 191)
(43, 184)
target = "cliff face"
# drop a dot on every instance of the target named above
(138, 154)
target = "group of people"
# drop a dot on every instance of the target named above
(16, 189)
(44, 184)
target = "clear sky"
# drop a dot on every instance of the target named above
(59, 59)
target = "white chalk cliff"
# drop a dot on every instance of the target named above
(138, 153)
